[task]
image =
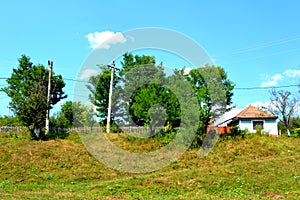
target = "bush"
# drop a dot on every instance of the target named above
(296, 132)
(258, 130)
(54, 134)
(236, 131)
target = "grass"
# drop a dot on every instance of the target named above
(257, 167)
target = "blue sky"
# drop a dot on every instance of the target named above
(256, 42)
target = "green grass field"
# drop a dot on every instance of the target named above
(257, 167)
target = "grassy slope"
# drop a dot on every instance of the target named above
(250, 168)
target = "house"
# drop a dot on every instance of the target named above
(250, 118)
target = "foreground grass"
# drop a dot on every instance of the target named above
(252, 168)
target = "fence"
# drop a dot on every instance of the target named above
(124, 129)
(10, 128)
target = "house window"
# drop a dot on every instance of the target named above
(258, 124)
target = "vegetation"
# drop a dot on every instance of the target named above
(99, 87)
(214, 94)
(147, 93)
(240, 166)
(255, 167)
(284, 106)
(73, 114)
(28, 86)
(9, 121)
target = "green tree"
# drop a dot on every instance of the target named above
(27, 89)
(130, 62)
(74, 114)
(99, 88)
(64, 119)
(296, 122)
(149, 101)
(88, 116)
(83, 115)
(214, 94)
(144, 93)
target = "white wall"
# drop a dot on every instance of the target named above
(270, 125)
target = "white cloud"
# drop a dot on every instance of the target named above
(260, 104)
(273, 82)
(268, 84)
(277, 77)
(104, 39)
(187, 70)
(293, 73)
(87, 73)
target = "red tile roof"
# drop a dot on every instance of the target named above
(251, 112)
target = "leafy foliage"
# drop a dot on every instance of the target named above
(151, 102)
(74, 114)
(143, 95)
(9, 121)
(27, 89)
(214, 94)
(99, 88)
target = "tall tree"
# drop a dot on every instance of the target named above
(284, 106)
(99, 88)
(149, 101)
(27, 89)
(214, 93)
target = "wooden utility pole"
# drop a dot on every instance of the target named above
(50, 63)
(110, 96)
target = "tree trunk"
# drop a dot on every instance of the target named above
(288, 132)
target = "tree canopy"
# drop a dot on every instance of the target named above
(99, 88)
(214, 92)
(74, 114)
(27, 88)
(143, 96)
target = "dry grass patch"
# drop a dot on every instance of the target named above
(252, 168)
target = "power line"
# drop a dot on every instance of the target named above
(264, 88)
(263, 56)
(70, 79)
(262, 45)
(236, 88)
(66, 79)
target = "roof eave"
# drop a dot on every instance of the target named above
(262, 117)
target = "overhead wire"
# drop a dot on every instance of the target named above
(263, 45)
(236, 88)
(269, 87)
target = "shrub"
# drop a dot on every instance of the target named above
(258, 130)
(296, 132)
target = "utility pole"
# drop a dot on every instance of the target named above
(110, 96)
(50, 63)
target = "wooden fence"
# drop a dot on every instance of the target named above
(125, 129)
(10, 128)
